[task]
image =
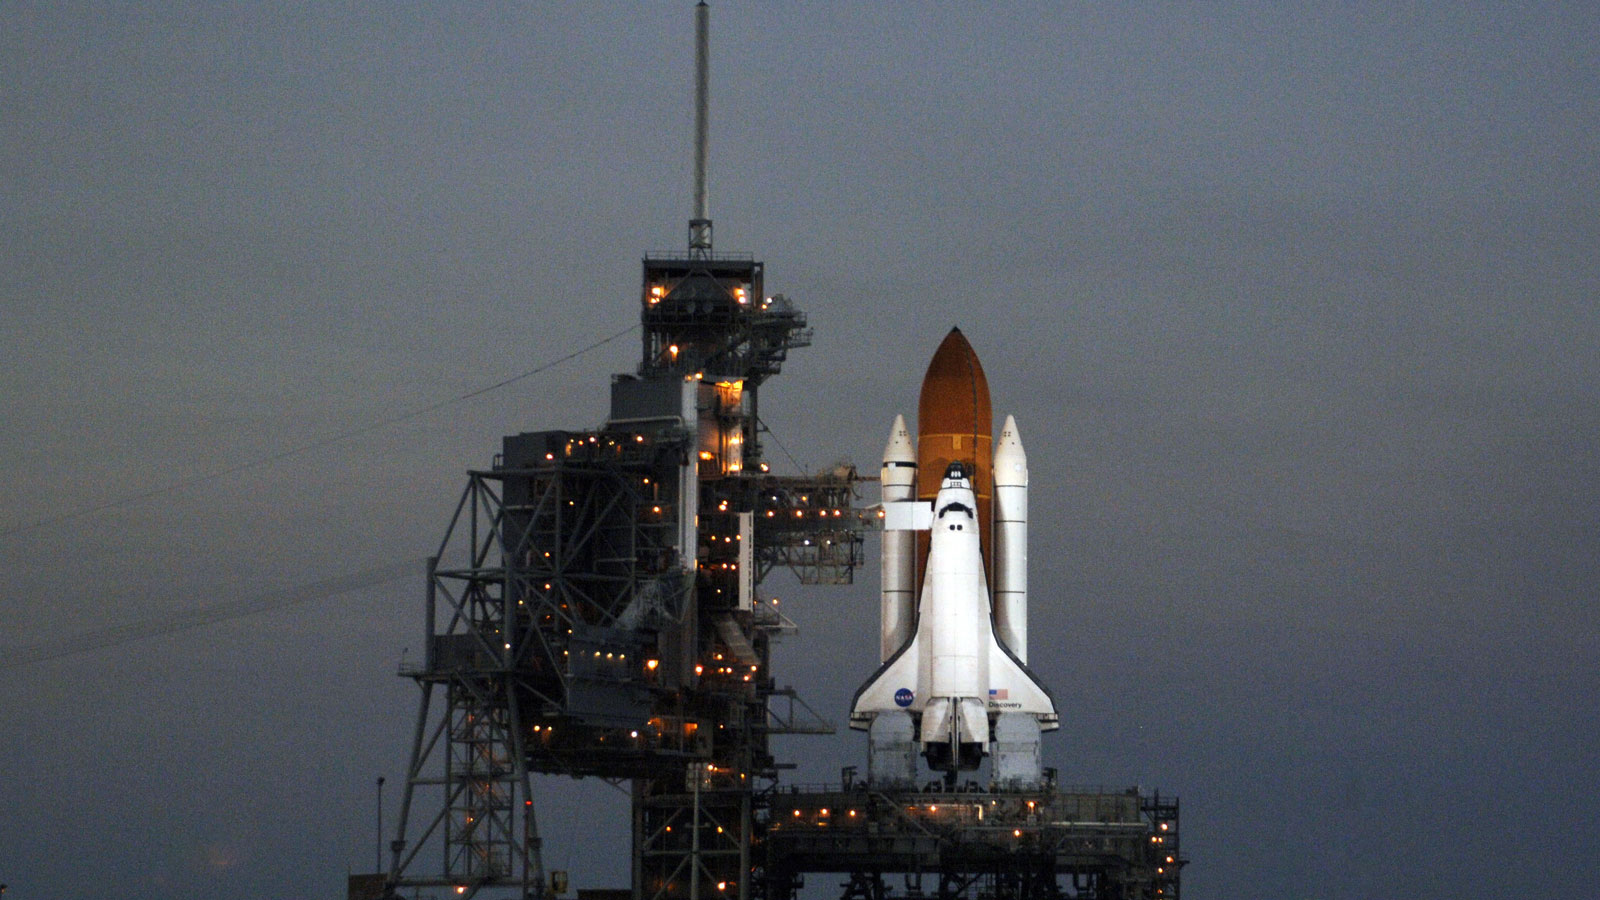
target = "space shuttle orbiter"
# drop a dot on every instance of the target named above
(954, 680)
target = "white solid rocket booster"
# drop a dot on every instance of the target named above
(1011, 541)
(898, 481)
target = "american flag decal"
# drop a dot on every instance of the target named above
(1001, 694)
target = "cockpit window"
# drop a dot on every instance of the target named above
(958, 507)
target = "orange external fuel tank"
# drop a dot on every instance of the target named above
(955, 424)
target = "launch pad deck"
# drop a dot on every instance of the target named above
(1035, 844)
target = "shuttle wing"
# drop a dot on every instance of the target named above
(892, 687)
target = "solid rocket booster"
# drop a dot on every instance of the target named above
(1011, 541)
(898, 479)
(953, 644)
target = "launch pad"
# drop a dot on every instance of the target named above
(595, 610)
(1016, 845)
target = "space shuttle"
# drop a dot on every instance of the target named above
(953, 685)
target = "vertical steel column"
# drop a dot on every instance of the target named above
(744, 845)
(639, 838)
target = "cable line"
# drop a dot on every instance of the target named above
(303, 448)
(776, 440)
(117, 635)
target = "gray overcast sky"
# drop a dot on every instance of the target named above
(1294, 305)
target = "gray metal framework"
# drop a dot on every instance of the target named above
(552, 572)
(469, 722)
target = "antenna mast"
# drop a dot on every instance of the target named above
(700, 225)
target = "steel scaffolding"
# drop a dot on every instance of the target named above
(594, 610)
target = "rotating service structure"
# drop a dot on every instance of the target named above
(594, 609)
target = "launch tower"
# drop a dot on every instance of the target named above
(594, 607)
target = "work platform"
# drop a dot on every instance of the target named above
(1006, 846)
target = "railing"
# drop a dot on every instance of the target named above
(695, 255)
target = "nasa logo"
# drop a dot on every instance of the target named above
(902, 697)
